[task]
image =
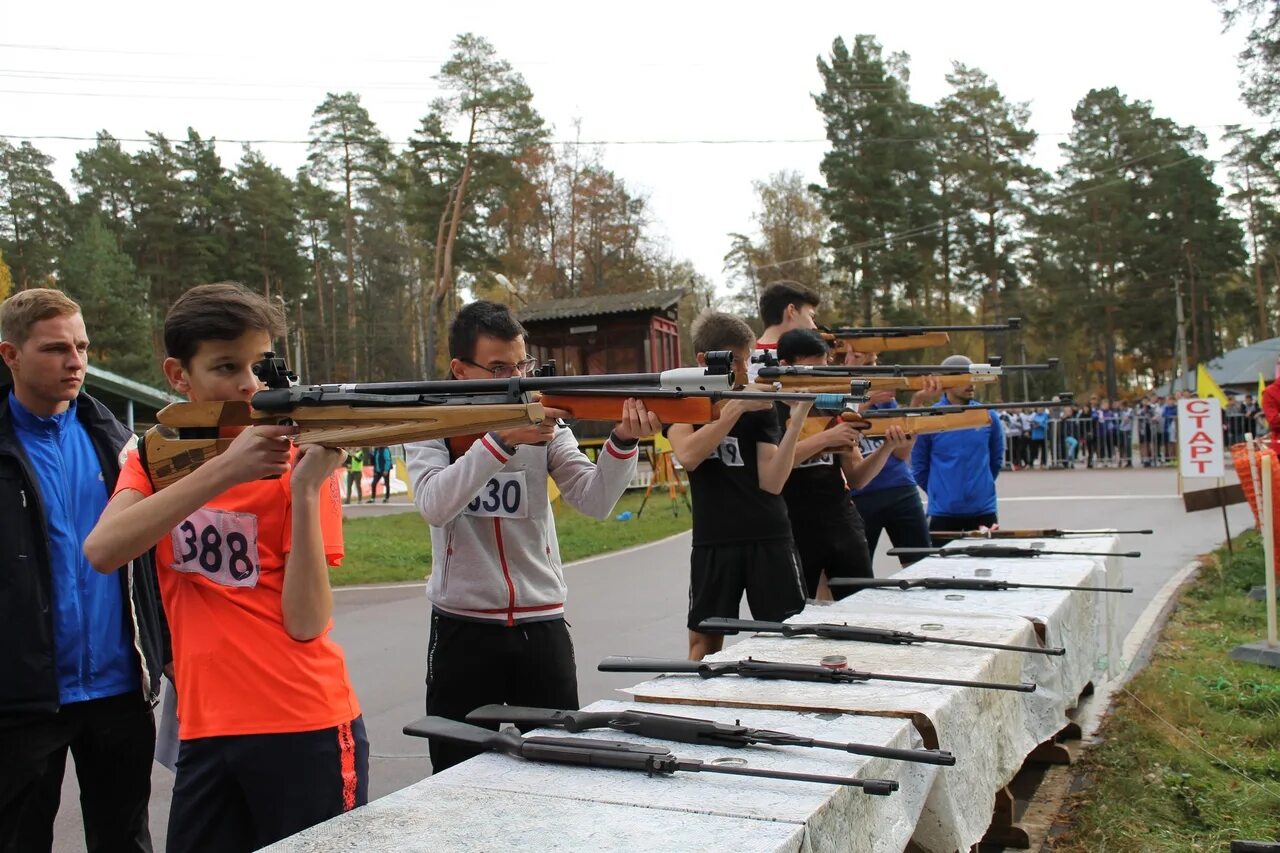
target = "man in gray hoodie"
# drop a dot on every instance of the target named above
(497, 588)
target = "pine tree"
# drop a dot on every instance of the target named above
(34, 210)
(114, 302)
(495, 107)
(348, 152)
(877, 170)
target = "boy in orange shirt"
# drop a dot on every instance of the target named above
(272, 740)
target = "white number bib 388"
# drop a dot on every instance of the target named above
(219, 545)
(504, 496)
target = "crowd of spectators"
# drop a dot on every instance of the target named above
(1105, 434)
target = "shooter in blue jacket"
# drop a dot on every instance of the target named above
(958, 469)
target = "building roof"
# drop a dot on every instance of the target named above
(595, 306)
(97, 379)
(1239, 367)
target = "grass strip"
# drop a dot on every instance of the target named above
(397, 548)
(1189, 759)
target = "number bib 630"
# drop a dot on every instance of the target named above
(218, 545)
(504, 496)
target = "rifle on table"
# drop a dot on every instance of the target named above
(1031, 533)
(1000, 552)
(752, 668)
(380, 414)
(890, 377)
(897, 338)
(616, 755)
(969, 584)
(858, 633)
(690, 730)
(918, 420)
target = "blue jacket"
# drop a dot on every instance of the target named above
(958, 469)
(46, 661)
(1041, 425)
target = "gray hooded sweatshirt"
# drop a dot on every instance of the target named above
(494, 553)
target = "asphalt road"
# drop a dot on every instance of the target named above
(634, 602)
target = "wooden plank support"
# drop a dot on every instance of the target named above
(1004, 830)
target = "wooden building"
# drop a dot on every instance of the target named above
(616, 333)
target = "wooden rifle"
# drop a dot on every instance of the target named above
(890, 377)
(919, 420)
(898, 338)
(685, 402)
(388, 413)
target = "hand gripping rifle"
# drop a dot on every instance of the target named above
(386, 413)
(891, 377)
(858, 633)
(897, 338)
(590, 752)
(1031, 533)
(1000, 552)
(690, 730)
(752, 668)
(969, 584)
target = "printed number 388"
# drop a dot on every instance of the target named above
(206, 547)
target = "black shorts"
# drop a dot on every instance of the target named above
(837, 546)
(767, 571)
(242, 792)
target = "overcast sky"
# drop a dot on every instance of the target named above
(656, 71)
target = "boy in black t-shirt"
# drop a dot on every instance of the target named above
(737, 467)
(825, 524)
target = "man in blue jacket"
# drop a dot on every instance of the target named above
(958, 469)
(82, 651)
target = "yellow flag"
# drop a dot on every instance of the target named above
(1262, 386)
(1206, 387)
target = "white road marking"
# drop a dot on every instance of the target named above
(1092, 498)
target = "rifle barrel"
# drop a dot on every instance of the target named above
(900, 331)
(856, 633)
(1002, 551)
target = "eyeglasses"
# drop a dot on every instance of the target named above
(506, 371)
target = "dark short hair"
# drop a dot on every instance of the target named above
(481, 318)
(714, 330)
(217, 312)
(801, 343)
(780, 294)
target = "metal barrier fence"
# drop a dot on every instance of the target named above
(1122, 442)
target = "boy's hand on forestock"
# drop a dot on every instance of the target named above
(842, 437)
(637, 421)
(737, 407)
(258, 452)
(896, 438)
(314, 465)
(539, 433)
(800, 408)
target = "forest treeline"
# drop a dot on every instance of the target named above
(924, 213)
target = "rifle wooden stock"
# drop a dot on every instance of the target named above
(840, 384)
(684, 410)
(910, 424)
(190, 434)
(896, 343)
